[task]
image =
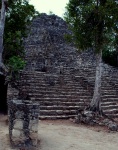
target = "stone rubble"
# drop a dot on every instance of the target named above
(90, 118)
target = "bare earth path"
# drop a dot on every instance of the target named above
(65, 135)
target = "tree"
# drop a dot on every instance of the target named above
(16, 16)
(2, 25)
(94, 25)
(19, 14)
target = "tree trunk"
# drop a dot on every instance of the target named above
(2, 25)
(95, 104)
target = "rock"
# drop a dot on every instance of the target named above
(88, 113)
(105, 121)
(77, 120)
(72, 120)
(101, 124)
(87, 120)
(113, 126)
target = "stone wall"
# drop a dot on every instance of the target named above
(12, 93)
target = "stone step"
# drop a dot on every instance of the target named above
(60, 107)
(108, 107)
(108, 103)
(51, 85)
(108, 93)
(69, 87)
(63, 103)
(61, 92)
(112, 115)
(84, 98)
(45, 78)
(109, 96)
(52, 90)
(111, 111)
(53, 117)
(57, 112)
(108, 88)
(62, 97)
(65, 73)
(115, 99)
(55, 83)
(48, 74)
(58, 96)
(48, 77)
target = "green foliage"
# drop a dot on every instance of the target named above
(19, 15)
(93, 23)
(16, 63)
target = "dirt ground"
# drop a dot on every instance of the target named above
(66, 135)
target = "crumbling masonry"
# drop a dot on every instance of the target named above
(23, 124)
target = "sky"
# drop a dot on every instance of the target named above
(45, 6)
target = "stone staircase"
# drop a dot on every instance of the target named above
(109, 89)
(61, 95)
(110, 96)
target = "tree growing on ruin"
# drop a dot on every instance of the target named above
(94, 24)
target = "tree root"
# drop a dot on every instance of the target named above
(89, 117)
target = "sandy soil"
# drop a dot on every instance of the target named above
(66, 135)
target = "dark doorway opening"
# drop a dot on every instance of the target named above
(3, 95)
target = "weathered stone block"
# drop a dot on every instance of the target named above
(19, 114)
(113, 126)
(16, 134)
(60, 112)
(33, 125)
(34, 142)
(33, 135)
(18, 124)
